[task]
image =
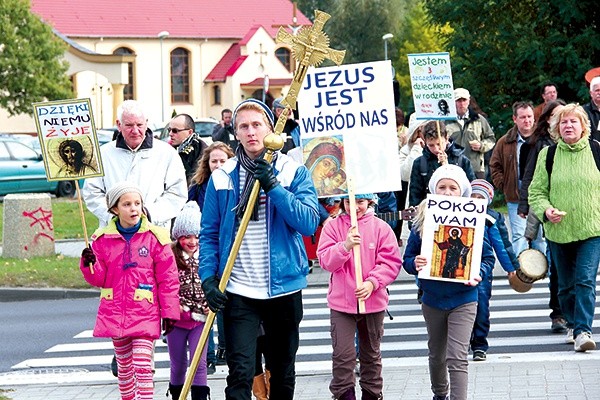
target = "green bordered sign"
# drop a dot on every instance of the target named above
(68, 140)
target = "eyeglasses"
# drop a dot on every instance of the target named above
(175, 130)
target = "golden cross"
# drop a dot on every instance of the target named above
(310, 48)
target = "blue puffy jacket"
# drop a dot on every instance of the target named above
(292, 211)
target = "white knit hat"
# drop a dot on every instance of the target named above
(454, 172)
(118, 190)
(188, 221)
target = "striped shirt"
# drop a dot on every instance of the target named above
(250, 275)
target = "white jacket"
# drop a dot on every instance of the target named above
(157, 170)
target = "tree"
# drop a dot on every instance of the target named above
(504, 50)
(416, 36)
(358, 25)
(31, 68)
(308, 7)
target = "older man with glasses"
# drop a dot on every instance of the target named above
(188, 144)
(135, 156)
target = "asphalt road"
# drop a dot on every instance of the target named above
(28, 328)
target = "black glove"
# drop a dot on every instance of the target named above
(167, 325)
(264, 174)
(88, 257)
(214, 297)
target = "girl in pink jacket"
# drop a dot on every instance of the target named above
(381, 263)
(135, 268)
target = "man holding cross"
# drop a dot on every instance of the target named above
(270, 269)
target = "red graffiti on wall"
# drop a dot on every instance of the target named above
(43, 218)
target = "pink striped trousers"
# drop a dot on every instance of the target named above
(134, 362)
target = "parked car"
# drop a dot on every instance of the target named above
(22, 171)
(204, 127)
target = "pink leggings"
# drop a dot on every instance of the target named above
(134, 362)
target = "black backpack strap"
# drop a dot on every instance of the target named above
(423, 165)
(550, 160)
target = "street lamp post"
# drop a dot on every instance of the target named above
(385, 38)
(161, 36)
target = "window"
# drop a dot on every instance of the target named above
(217, 95)
(180, 76)
(128, 89)
(284, 56)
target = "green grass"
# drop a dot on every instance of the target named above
(42, 272)
(66, 219)
(54, 271)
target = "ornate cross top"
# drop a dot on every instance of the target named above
(310, 48)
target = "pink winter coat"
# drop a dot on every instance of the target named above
(138, 280)
(380, 258)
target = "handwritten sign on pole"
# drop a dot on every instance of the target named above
(68, 140)
(452, 237)
(432, 87)
(348, 128)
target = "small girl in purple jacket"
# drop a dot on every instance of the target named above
(134, 266)
(194, 308)
(380, 263)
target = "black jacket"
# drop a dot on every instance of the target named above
(224, 134)
(594, 115)
(419, 177)
(190, 152)
(527, 177)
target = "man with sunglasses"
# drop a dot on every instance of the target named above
(188, 144)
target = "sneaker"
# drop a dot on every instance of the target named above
(559, 325)
(479, 355)
(569, 338)
(435, 397)
(211, 369)
(584, 342)
(221, 357)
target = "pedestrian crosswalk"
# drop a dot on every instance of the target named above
(520, 331)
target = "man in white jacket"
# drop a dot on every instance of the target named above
(136, 157)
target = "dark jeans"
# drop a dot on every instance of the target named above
(577, 266)
(481, 327)
(554, 304)
(281, 318)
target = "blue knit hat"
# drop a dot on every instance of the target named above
(367, 196)
(267, 111)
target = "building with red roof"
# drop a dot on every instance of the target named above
(175, 56)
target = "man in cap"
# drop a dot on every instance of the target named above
(136, 157)
(270, 268)
(291, 128)
(471, 131)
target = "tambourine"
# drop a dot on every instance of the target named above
(533, 266)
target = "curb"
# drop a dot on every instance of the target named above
(8, 294)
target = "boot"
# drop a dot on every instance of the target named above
(175, 391)
(259, 387)
(348, 395)
(200, 393)
(366, 395)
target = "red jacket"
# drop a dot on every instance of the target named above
(380, 262)
(138, 280)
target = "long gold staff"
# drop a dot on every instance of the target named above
(309, 48)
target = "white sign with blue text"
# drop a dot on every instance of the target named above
(348, 128)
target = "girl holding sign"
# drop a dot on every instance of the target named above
(381, 264)
(449, 308)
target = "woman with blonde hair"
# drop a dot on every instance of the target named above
(566, 191)
(212, 158)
